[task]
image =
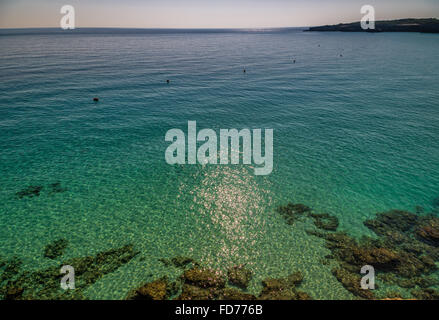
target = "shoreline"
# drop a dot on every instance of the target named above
(400, 25)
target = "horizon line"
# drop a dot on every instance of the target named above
(210, 28)
(161, 28)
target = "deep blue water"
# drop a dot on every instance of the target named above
(356, 131)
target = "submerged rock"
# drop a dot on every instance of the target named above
(393, 295)
(45, 284)
(191, 292)
(429, 232)
(166, 262)
(354, 255)
(56, 188)
(422, 282)
(234, 294)
(30, 192)
(13, 293)
(380, 258)
(11, 269)
(207, 284)
(405, 251)
(283, 288)
(204, 278)
(182, 261)
(56, 248)
(156, 290)
(352, 283)
(194, 292)
(426, 294)
(325, 221)
(394, 220)
(291, 281)
(291, 212)
(199, 283)
(419, 210)
(239, 276)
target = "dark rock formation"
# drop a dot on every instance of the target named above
(283, 288)
(390, 221)
(422, 282)
(404, 254)
(352, 283)
(30, 192)
(191, 292)
(419, 210)
(56, 248)
(428, 231)
(291, 211)
(234, 294)
(13, 293)
(45, 284)
(239, 276)
(426, 294)
(199, 283)
(11, 268)
(56, 188)
(325, 221)
(160, 289)
(204, 278)
(354, 255)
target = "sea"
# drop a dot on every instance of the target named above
(355, 119)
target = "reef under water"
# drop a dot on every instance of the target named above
(404, 253)
(56, 187)
(404, 256)
(35, 191)
(45, 284)
(30, 191)
(55, 248)
(198, 283)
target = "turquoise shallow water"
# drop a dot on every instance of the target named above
(353, 135)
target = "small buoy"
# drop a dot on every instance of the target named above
(168, 81)
(95, 99)
(244, 71)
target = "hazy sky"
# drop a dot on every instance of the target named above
(206, 13)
